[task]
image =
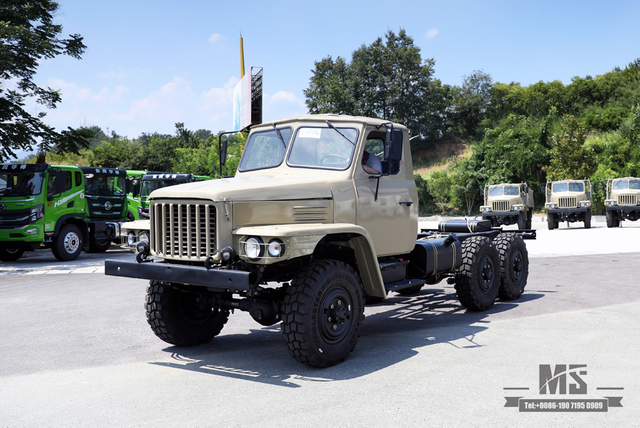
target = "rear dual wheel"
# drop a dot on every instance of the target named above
(478, 277)
(514, 265)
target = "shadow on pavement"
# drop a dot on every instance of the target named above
(392, 332)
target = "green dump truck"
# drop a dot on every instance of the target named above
(65, 208)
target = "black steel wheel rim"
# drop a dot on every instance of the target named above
(487, 273)
(335, 315)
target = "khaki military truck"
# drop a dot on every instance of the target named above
(623, 200)
(570, 201)
(506, 204)
(303, 235)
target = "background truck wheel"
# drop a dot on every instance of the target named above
(99, 247)
(552, 223)
(180, 317)
(612, 220)
(587, 219)
(514, 265)
(10, 254)
(68, 245)
(323, 313)
(478, 278)
(522, 221)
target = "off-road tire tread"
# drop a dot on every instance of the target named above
(298, 305)
(468, 294)
(503, 243)
(158, 295)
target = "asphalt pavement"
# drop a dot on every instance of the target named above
(77, 351)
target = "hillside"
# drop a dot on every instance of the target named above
(439, 155)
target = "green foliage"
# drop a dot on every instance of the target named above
(28, 36)
(388, 80)
(440, 185)
(471, 100)
(467, 182)
(424, 197)
(117, 153)
(569, 158)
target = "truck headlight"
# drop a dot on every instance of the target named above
(584, 204)
(551, 205)
(253, 248)
(517, 207)
(485, 209)
(131, 239)
(610, 203)
(37, 213)
(276, 248)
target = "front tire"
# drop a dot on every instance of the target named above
(612, 220)
(68, 245)
(478, 278)
(10, 254)
(552, 223)
(323, 313)
(180, 317)
(587, 219)
(514, 265)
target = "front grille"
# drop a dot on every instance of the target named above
(500, 206)
(567, 202)
(183, 230)
(627, 200)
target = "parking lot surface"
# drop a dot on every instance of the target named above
(77, 351)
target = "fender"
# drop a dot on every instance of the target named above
(302, 240)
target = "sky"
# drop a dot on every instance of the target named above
(150, 64)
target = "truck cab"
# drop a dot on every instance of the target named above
(622, 200)
(570, 201)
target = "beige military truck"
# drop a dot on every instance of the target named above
(303, 235)
(570, 201)
(506, 204)
(622, 200)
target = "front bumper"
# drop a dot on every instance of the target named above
(216, 279)
(566, 210)
(624, 208)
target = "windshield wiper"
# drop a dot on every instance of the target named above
(279, 135)
(338, 131)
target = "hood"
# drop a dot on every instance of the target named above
(250, 188)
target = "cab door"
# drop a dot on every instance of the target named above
(391, 218)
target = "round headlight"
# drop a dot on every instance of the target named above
(276, 248)
(144, 237)
(131, 239)
(253, 248)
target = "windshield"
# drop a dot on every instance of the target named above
(504, 190)
(265, 149)
(571, 187)
(150, 186)
(626, 184)
(324, 148)
(104, 185)
(21, 183)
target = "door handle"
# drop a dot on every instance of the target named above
(407, 203)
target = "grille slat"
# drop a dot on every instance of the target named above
(567, 202)
(627, 200)
(500, 206)
(184, 231)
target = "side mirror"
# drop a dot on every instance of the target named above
(223, 151)
(526, 189)
(393, 145)
(481, 192)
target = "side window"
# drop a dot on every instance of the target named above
(51, 183)
(78, 178)
(68, 185)
(374, 149)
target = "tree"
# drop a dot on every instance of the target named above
(569, 158)
(28, 36)
(471, 101)
(387, 79)
(440, 184)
